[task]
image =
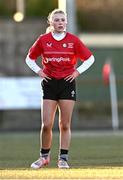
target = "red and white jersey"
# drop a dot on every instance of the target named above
(59, 57)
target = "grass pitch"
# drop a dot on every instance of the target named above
(92, 156)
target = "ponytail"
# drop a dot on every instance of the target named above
(49, 29)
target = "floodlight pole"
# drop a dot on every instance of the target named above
(62, 5)
(20, 6)
(20, 11)
(69, 7)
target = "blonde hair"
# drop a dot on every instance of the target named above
(49, 18)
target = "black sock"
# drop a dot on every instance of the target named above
(44, 152)
(63, 151)
(63, 154)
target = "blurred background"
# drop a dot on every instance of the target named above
(99, 25)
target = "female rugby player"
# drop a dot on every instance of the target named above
(59, 51)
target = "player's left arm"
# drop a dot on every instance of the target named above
(82, 68)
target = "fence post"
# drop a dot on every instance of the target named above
(109, 79)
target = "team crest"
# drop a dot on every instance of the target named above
(64, 45)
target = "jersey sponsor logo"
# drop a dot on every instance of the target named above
(45, 60)
(53, 59)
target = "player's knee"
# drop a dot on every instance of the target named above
(64, 126)
(46, 127)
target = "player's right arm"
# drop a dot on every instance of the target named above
(34, 67)
(34, 52)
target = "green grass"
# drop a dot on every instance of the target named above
(92, 155)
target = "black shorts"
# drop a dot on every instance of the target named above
(59, 89)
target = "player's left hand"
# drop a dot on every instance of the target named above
(72, 76)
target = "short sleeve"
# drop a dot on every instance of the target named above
(36, 50)
(81, 50)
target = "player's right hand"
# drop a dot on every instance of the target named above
(43, 75)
